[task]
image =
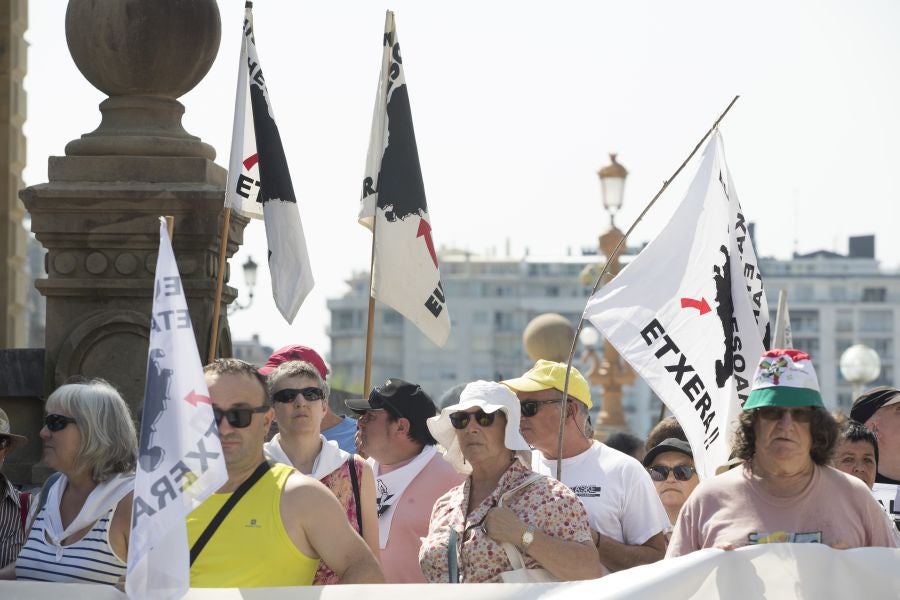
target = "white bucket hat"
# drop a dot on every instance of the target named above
(490, 397)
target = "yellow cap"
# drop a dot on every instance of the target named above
(546, 374)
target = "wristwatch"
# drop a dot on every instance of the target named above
(527, 538)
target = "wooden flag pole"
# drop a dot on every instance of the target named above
(220, 283)
(170, 227)
(370, 321)
(609, 260)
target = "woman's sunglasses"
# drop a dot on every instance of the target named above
(774, 413)
(681, 472)
(531, 407)
(288, 395)
(57, 422)
(238, 417)
(460, 419)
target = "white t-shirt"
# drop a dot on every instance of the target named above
(618, 494)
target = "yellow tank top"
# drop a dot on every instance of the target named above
(251, 547)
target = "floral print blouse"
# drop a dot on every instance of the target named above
(338, 481)
(546, 504)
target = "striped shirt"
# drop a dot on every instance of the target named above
(89, 560)
(11, 534)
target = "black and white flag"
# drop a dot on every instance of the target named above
(259, 182)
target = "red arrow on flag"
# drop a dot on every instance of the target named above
(700, 304)
(250, 161)
(193, 398)
(425, 230)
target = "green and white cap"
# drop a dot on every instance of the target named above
(784, 378)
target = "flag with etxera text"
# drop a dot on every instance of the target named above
(405, 274)
(180, 460)
(689, 313)
(259, 182)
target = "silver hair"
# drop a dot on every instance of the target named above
(297, 368)
(108, 436)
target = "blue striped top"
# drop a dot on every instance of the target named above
(89, 560)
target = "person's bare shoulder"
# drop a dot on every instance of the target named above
(305, 494)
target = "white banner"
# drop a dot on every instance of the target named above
(181, 461)
(406, 275)
(259, 181)
(772, 571)
(689, 312)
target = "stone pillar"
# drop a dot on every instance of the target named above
(98, 214)
(13, 236)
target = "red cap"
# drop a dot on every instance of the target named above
(295, 352)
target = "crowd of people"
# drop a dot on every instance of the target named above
(467, 494)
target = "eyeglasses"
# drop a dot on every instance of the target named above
(238, 417)
(531, 407)
(288, 395)
(460, 419)
(379, 402)
(57, 422)
(774, 413)
(661, 472)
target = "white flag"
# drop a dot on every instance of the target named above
(405, 275)
(259, 182)
(181, 461)
(689, 313)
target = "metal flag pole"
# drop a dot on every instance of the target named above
(615, 253)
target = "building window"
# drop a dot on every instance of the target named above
(808, 345)
(804, 321)
(843, 320)
(881, 321)
(874, 294)
(343, 319)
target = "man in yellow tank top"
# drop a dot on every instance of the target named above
(278, 531)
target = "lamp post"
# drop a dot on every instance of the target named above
(609, 372)
(860, 365)
(249, 269)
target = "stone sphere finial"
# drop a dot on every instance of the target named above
(144, 54)
(548, 336)
(143, 47)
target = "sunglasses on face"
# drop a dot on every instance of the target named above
(531, 407)
(287, 395)
(57, 422)
(681, 472)
(237, 417)
(774, 413)
(461, 419)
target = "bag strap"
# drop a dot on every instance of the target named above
(242, 489)
(24, 502)
(45, 488)
(534, 477)
(354, 483)
(452, 567)
(514, 556)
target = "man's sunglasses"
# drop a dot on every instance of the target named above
(774, 413)
(288, 395)
(681, 472)
(57, 422)
(531, 407)
(460, 419)
(379, 402)
(237, 417)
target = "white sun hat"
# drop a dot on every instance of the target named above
(490, 397)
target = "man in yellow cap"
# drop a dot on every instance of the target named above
(625, 512)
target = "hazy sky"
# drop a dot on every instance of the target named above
(516, 105)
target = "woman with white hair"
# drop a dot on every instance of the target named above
(504, 523)
(80, 533)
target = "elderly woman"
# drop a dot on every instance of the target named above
(503, 517)
(80, 534)
(300, 397)
(671, 467)
(785, 491)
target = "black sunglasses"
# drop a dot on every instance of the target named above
(661, 472)
(460, 419)
(774, 413)
(288, 395)
(238, 417)
(531, 407)
(57, 422)
(379, 402)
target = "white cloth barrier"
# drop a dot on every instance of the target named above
(772, 571)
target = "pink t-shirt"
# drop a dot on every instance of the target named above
(400, 558)
(731, 508)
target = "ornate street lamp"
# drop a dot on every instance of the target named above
(249, 269)
(612, 184)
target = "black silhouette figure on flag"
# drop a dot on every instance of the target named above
(155, 399)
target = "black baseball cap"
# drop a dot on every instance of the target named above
(667, 445)
(867, 404)
(399, 397)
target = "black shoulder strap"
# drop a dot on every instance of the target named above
(204, 538)
(354, 481)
